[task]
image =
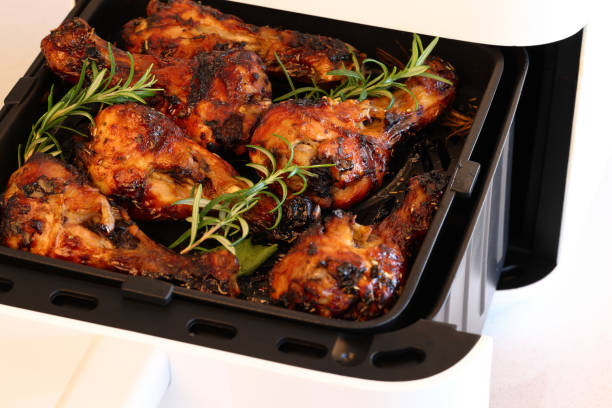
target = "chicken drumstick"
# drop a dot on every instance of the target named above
(184, 28)
(48, 209)
(140, 158)
(344, 269)
(215, 97)
(358, 137)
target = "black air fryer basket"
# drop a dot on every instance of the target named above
(404, 343)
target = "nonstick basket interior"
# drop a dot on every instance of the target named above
(479, 69)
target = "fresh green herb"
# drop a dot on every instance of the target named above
(357, 84)
(227, 226)
(78, 100)
(251, 256)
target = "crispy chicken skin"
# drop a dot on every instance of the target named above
(347, 270)
(215, 97)
(140, 158)
(49, 209)
(358, 137)
(184, 28)
(327, 131)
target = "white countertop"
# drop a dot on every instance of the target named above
(553, 339)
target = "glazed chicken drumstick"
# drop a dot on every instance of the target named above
(139, 157)
(344, 269)
(48, 209)
(358, 137)
(215, 97)
(184, 28)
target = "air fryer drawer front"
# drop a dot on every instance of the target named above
(416, 351)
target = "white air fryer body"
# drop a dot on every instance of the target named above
(72, 363)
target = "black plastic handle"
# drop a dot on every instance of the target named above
(465, 177)
(147, 290)
(19, 91)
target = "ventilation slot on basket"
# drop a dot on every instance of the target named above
(211, 328)
(385, 359)
(5, 285)
(73, 300)
(302, 348)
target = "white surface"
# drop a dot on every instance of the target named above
(23, 24)
(45, 368)
(114, 373)
(47, 365)
(552, 340)
(501, 22)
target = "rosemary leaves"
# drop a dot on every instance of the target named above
(221, 219)
(78, 101)
(358, 84)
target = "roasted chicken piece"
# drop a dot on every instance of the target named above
(358, 137)
(140, 158)
(347, 270)
(215, 97)
(49, 209)
(184, 28)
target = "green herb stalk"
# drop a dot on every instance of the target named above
(78, 101)
(221, 218)
(357, 84)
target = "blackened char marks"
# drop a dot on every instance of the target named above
(206, 70)
(168, 49)
(393, 118)
(230, 132)
(348, 276)
(12, 208)
(41, 187)
(298, 214)
(37, 225)
(121, 236)
(93, 54)
(371, 156)
(322, 184)
(335, 49)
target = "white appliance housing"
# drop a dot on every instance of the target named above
(179, 374)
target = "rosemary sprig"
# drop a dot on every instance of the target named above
(358, 84)
(221, 219)
(78, 100)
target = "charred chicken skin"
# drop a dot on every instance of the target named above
(358, 137)
(49, 209)
(215, 97)
(184, 28)
(142, 159)
(347, 270)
